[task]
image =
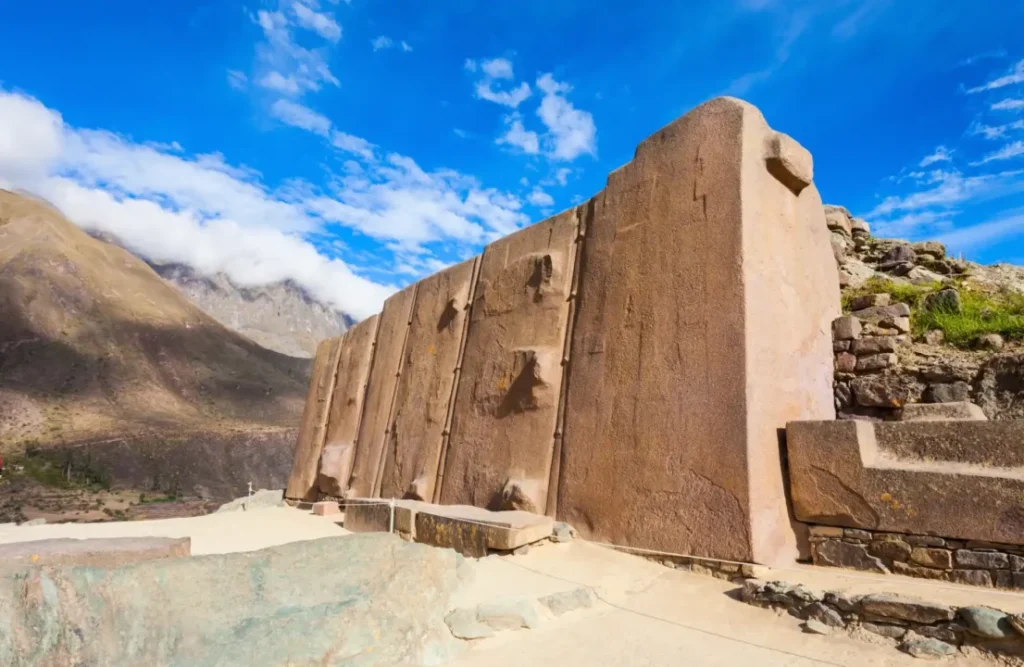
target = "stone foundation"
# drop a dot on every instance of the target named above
(926, 556)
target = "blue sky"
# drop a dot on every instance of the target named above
(356, 146)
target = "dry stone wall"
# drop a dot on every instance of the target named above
(620, 365)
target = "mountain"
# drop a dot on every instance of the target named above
(280, 316)
(107, 366)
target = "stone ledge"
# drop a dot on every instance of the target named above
(469, 530)
(96, 552)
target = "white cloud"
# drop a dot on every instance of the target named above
(562, 175)
(321, 23)
(285, 66)
(1015, 75)
(1008, 151)
(951, 189)
(301, 117)
(571, 132)
(237, 80)
(406, 46)
(941, 154)
(540, 198)
(498, 69)
(382, 42)
(997, 131)
(1008, 104)
(982, 235)
(197, 210)
(518, 136)
(352, 144)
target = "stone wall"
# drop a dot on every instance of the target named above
(618, 366)
(926, 556)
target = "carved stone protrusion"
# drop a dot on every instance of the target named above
(522, 494)
(789, 162)
(335, 468)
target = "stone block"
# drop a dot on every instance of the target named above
(380, 394)
(846, 328)
(473, 531)
(981, 560)
(920, 572)
(870, 301)
(956, 411)
(874, 345)
(885, 605)
(846, 362)
(506, 409)
(789, 162)
(843, 554)
(339, 448)
(413, 452)
(106, 552)
(313, 427)
(876, 314)
(911, 477)
(674, 383)
(374, 516)
(940, 558)
(956, 392)
(890, 550)
(326, 508)
(876, 362)
(826, 531)
(885, 391)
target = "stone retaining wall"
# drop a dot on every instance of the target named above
(923, 629)
(925, 556)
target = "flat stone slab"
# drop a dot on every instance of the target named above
(471, 531)
(99, 552)
(957, 411)
(954, 479)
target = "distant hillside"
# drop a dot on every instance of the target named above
(103, 360)
(281, 316)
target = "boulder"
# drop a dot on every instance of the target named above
(987, 622)
(854, 273)
(927, 648)
(955, 392)
(839, 220)
(899, 253)
(261, 608)
(860, 227)
(870, 301)
(992, 341)
(933, 248)
(885, 605)
(944, 301)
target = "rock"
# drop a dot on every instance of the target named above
(843, 395)
(335, 469)
(1016, 621)
(1016, 563)
(854, 273)
(956, 392)
(940, 558)
(464, 625)
(842, 601)
(884, 605)
(984, 560)
(920, 572)
(846, 362)
(884, 629)
(509, 614)
(951, 633)
(873, 345)
(919, 275)
(953, 411)
(925, 541)
(935, 337)
(901, 324)
(877, 314)
(35, 522)
(846, 328)
(563, 532)
(261, 499)
(971, 577)
(839, 246)
(992, 341)
(843, 554)
(987, 622)
(826, 531)
(890, 549)
(97, 552)
(857, 534)
(875, 362)
(566, 601)
(890, 391)
(824, 614)
(944, 301)
(838, 220)
(859, 227)
(933, 248)
(899, 253)
(813, 627)
(841, 345)
(927, 648)
(261, 608)
(326, 508)
(870, 301)
(521, 551)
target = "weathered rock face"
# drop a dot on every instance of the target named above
(623, 365)
(386, 606)
(313, 428)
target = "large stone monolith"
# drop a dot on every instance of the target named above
(705, 300)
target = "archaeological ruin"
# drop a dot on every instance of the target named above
(667, 367)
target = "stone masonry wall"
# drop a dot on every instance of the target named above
(926, 556)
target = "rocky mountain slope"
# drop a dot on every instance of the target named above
(282, 316)
(923, 328)
(107, 366)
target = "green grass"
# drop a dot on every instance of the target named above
(981, 314)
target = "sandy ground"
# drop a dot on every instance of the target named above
(211, 534)
(646, 614)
